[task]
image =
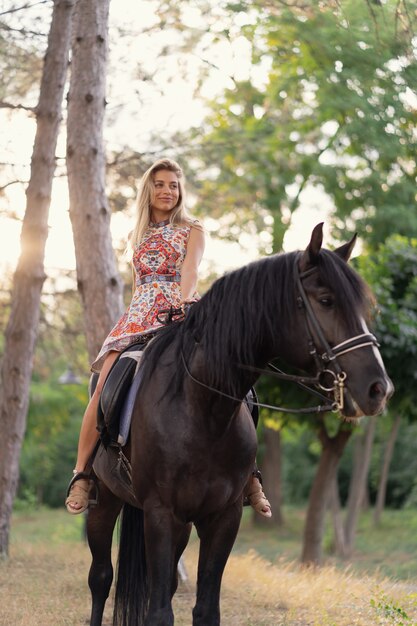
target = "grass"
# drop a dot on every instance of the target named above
(389, 549)
(45, 580)
(45, 526)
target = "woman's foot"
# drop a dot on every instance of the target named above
(78, 495)
(257, 498)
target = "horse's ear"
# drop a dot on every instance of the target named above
(310, 254)
(346, 250)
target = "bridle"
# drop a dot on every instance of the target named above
(331, 353)
(336, 375)
(329, 378)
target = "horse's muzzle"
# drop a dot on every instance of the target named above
(378, 393)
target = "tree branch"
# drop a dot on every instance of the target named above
(373, 16)
(21, 31)
(330, 143)
(12, 182)
(9, 105)
(28, 5)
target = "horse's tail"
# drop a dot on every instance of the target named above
(131, 597)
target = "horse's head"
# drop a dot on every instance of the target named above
(335, 303)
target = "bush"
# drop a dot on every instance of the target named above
(50, 446)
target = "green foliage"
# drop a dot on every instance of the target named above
(389, 609)
(124, 169)
(403, 469)
(392, 273)
(61, 341)
(26, 500)
(20, 68)
(49, 448)
(44, 526)
(411, 502)
(327, 104)
(4, 310)
(301, 453)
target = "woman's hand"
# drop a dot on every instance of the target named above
(186, 305)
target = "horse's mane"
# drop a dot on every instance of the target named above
(245, 309)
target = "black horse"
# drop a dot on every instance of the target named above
(192, 444)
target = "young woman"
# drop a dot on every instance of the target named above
(167, 249)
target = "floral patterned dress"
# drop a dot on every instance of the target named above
(157, 263)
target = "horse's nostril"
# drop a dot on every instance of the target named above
(376, 390)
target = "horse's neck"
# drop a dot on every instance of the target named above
(216, 392)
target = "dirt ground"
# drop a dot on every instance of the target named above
(46, 585)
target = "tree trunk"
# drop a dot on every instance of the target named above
(22, 328)
(358, 484)
(332, 449)
(99, 281)
(357, 452)
(338, 526)
(382, 486)
(271, 477)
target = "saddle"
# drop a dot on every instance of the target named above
(118, 394)
(122, 383)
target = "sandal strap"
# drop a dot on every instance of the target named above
(92, 481)
(79, 488)
(258, 498)
(76, 477)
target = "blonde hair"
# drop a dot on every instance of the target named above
(178, 215)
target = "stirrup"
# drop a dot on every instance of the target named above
(86, 501)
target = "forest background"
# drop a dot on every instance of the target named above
(283, 114)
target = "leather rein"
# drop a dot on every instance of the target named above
(317, 384)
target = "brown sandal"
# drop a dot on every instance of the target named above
(78, 493)
(257, 498)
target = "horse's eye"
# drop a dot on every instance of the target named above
(326, 301)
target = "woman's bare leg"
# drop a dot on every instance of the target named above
(88, 433)
(76, 501)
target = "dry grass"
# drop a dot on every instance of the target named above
(289, 594)
(44, 584)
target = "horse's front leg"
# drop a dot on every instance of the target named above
(217, 535)
(100, 525)
(165, 541)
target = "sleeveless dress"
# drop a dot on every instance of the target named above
(157, 262)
